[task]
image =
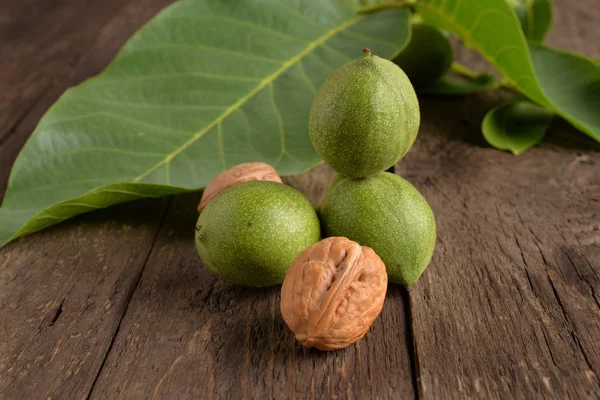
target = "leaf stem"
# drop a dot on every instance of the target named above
(466, 71)
(463, 70)
(385, 6)
(502, 84)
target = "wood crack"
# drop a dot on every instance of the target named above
(57, 313)
(595, 296)
(583, 352)
(529, 280)
(592, 290)
(415, 368)
(526, 269)
(413, 354)
(558, 300)
(566, 318)
(127, 301)
(549, 348)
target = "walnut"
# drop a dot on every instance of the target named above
(333, 292)
(255, 171)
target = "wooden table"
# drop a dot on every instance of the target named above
(116, 303)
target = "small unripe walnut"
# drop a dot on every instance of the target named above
(255, 171)
(332, 293)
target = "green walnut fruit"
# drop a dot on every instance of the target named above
(251, 233)
(365, 117)
(427, 57)
(386, 213)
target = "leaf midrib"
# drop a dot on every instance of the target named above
(465, 33)
(545, 100)
(264, 83)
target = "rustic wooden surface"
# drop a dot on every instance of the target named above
(117, 304)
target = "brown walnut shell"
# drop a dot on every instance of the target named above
(255, 171)
(333, 292)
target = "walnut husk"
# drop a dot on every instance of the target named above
(333, 293)
(254, 171)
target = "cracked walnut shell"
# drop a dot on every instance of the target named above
(333, 292)
(254, 171)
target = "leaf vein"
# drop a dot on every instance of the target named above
(257, 27)
(212, 49)
(99, 150)
(113, 115)
(372, 39)
(148, 105)
(480, 18)
(265, 82)
(339, 53)
(182, 74)
(279, 122)
(70, 183)
(305, 77)
(299, 14)
(221, 149)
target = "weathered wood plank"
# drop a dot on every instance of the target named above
(62, 295)
(188, 333)
(576, 26)
(64, 291)
(509, 306)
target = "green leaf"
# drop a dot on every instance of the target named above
(369, 5)
(535, 17)
(202, 87)
(563, 82)
(451, 86)
(571, 84)
(516, 125)
(427, 57)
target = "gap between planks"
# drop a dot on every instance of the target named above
(128, 299)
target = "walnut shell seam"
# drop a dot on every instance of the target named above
(333, 292)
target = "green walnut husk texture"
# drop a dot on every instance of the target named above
(427, 57)
(251, 233)
(388, 214)
(365, 117)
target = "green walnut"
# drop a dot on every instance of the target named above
(386, 213)
(427, 57)
(365, 117)
(251, 233)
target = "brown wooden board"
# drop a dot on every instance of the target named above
(509, 305)
(117, 304)
(64, 291)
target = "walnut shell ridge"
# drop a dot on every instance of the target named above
(333, 293)
(254, 171)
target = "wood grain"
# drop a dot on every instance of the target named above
(63, 292)
(508, 308)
